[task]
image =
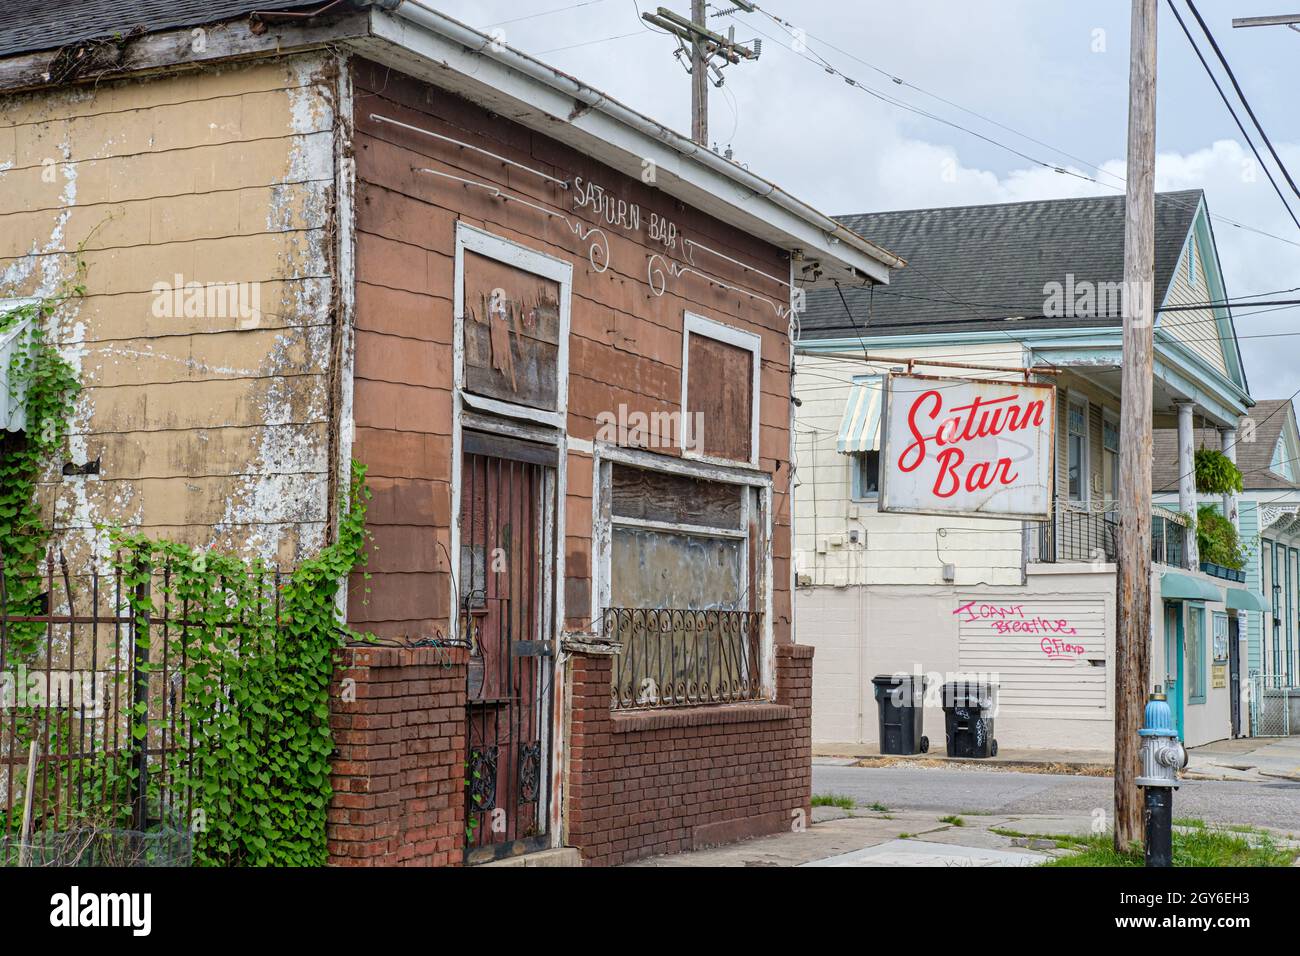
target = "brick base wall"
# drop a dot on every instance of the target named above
(662, 782)
(398, 771)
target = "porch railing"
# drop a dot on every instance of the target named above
(1168, 538)
(679, 658)
(1093, 536)
(1076, 536)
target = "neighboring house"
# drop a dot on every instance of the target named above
(557, 334)
(1267, 451)
(1031, 285)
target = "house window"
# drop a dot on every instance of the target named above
(683, 586)
(720, 376)
(1195, 654)
(512, 311)
(1110, 458)
(1077, 450)
(866, 475)
(1281, 463)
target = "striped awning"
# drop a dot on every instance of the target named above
(860, 427)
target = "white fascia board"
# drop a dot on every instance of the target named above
(684, 170)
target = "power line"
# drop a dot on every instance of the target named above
(1236, 119)
(546, 13)
(1241, 95)
(828, 67)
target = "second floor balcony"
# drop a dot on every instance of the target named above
(1075, 535)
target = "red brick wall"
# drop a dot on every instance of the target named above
(662, 782)
(398, 774)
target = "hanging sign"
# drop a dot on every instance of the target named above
(969, 447)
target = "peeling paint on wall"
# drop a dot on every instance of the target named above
(211, 428)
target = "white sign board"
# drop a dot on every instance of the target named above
(967, 447)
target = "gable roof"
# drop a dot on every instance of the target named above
(1254, 458)
(30, 25)
(961, 259)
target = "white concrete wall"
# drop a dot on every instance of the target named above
(863, 631)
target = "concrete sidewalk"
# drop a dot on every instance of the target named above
(1248, 758)
(868, 838)
(853, 838)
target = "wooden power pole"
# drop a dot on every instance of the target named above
(699, 80)
(1133, 577)
(703, 47)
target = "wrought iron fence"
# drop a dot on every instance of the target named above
(1077, 536)
(679, 658)
(95, 744)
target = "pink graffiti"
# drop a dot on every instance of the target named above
(1011, 619)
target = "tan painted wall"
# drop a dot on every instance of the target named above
(212, 429)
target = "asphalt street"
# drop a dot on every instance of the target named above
(1274, 804)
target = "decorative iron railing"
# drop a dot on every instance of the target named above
(1077, 536)
(1093, 536)
(95, 735)
(1168, 538)
(679, 658)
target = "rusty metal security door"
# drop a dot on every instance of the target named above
(507, 615)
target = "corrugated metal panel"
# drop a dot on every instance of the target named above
(1040, 650)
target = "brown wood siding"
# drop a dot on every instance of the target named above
(625, 344)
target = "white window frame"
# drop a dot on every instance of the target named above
(1085, 466)
(694, 324)
(604, 455)
(472, 239)
(484, 243)
(1112, 418)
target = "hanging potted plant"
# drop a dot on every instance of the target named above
(1220, 547)
(1216, 474)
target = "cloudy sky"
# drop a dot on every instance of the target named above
(1047, 78)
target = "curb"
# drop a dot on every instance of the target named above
(1062, 768)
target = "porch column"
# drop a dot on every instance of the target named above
(1187, 476)
(1228, 445)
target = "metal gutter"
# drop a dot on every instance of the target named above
(415, 12)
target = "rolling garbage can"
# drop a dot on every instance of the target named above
(968, 718)
(900, 699)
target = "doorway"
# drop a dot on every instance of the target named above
(1174, 661)
(507, 616)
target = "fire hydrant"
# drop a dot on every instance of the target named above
(1162, 755)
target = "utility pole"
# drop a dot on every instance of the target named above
(1291, 20)
(701, 47)
(1133, 576)
(699, 80)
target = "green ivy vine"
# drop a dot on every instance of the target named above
(50, 385)
(256, 694)
(260, 649)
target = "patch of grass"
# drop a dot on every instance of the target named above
(878, 807)
(1195, 846)
(906, 836)
(954, 820)
(833, 800)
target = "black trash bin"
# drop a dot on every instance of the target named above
(900, 699)
(968, 718)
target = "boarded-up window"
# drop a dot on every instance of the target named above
(679, 499)
(660, 569)
(512, 333)
(682, 542)
(720, 395)
(1049, 653)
